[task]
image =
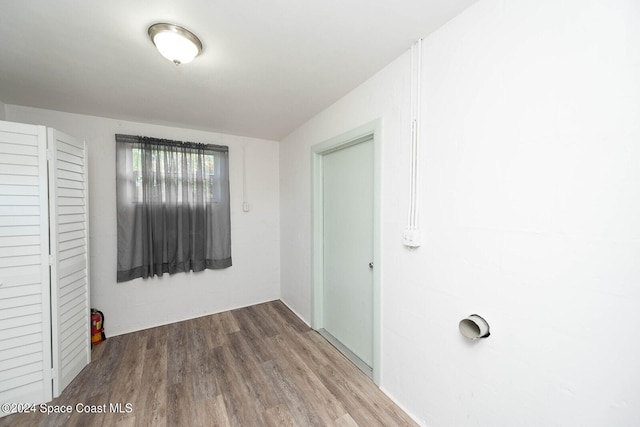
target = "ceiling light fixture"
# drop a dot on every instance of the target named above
(175, 43)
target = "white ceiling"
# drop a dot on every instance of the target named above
(267, 66)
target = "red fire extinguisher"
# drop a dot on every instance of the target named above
(97, 327)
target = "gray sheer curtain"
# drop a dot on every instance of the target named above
(173, 207)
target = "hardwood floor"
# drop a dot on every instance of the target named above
(255, 366)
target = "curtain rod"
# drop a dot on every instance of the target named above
(168, 142)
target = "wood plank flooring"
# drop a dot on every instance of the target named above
(255, 366)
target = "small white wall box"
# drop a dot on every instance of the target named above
(474, 327)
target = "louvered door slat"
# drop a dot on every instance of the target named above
(70, 272)
(25, 317)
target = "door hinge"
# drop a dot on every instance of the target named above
(52, 259)
(49, 154)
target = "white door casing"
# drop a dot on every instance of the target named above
(368, 134)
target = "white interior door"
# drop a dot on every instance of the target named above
(70, 270)
(25, 317)
(348, 247)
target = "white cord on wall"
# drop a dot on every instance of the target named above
(411, 236)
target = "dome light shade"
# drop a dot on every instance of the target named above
(175, 43)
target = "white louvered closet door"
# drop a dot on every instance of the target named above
(25, 317)
(69, 213)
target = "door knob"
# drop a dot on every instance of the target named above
(371, 265)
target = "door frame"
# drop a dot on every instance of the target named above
(373, 131)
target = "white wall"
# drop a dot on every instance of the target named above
(530, 196)
(139, 304)
(381, 96)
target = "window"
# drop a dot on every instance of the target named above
(210, 181)
(173, 207)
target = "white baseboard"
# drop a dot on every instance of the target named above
(401, 406)
(296, 313)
